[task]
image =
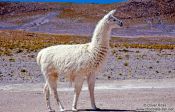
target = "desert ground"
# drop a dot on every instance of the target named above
(140, 72)
(111, 96)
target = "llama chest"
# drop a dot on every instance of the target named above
(100, 56)
(91, 61)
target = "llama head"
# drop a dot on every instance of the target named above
(112, 21)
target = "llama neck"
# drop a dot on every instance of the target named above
(101, 35)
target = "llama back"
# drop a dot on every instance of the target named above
(64, 58)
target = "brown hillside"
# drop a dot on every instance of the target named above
(132, 12)
(12, 9)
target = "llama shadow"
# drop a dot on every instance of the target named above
(107, 110)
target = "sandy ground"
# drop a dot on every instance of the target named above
(137, 100)
(118, 96)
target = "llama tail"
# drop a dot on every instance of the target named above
(38, 58)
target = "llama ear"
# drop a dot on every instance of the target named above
(112, 12)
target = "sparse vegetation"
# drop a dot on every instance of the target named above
(1, 76)
(31, 56)
(12, 60)
(146, 46)
(120, 74)
(126, 64)
(137, 51)
(113, 52)
(150, 67)
(119, 57)
(23, 70)
(109, 77)
(19, 51)
(10, 75)
(20, 41)
(127, 56)
(124, 50)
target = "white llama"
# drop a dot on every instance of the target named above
(77, 62)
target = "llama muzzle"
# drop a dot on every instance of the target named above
(121, 24)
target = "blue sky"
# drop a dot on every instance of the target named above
(74, 1)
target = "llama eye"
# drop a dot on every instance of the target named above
(114, 20)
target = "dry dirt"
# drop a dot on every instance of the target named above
(111, 96)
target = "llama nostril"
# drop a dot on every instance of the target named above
(121, 24)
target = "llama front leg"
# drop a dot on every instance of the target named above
(91, 85)
(78, 82)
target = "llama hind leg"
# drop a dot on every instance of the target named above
(47, 97)
(91, 85)
(78, 82)
(52, 81)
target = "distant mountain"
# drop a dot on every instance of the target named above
(132, 12)
(163, 10)
(148, 8)
(11, 8)
(70, 1)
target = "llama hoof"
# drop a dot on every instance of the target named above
(97, 108)
(62, 110)
(74, 110)
(51, 110)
